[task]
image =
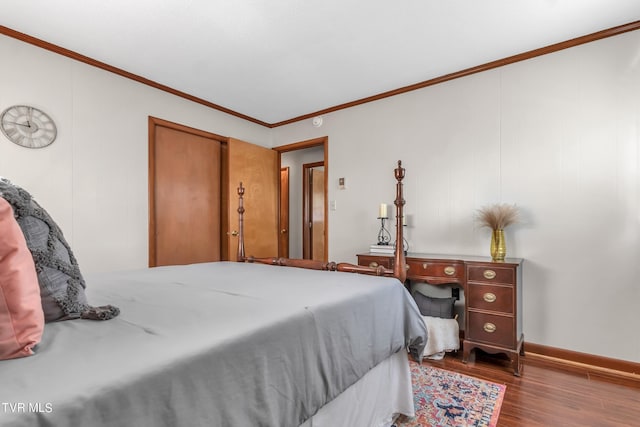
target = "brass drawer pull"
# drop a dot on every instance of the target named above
(449, 270)
(489, 297)
(373, 264)
(489, 274)
(489, 327)
(425, 265)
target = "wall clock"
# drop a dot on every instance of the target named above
(28, 126)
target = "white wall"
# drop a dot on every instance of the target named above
(93, 179)
(557, 135)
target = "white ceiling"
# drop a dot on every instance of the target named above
(275, 60)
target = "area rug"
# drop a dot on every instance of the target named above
(445, 398)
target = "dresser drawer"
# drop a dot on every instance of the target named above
(375, 261)
(491, 329)
(491, 274)
(490, 297)
(442, 272)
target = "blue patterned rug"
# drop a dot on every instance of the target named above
(445, 398)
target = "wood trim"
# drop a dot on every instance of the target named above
(632, 26)
(325, 145)
(151, 192)
(183, 128)
(98, 64)
(567, 359)
(610, 32)
(284, 232)
(309, 143)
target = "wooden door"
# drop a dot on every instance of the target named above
(317, 214)
(283, 248)
(313, 209)
(257, 168)
(184, 193)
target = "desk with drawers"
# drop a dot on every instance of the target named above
(493, 297)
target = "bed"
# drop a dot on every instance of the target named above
(226, 344)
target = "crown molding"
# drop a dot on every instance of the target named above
(610, 32)
(98, 64)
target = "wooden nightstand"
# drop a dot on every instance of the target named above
(494, 310)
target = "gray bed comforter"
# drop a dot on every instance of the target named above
(212, 344)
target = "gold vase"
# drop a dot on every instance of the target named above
(498, 245)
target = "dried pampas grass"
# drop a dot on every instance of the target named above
(497, 216)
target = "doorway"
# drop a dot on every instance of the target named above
(313, 211)
(294, 156)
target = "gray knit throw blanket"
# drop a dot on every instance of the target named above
(55, 255)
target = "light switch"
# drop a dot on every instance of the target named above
(332, 205)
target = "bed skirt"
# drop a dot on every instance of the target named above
(374, 401)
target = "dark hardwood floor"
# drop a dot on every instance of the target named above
(552, 395)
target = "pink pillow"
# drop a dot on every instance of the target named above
(21, 315)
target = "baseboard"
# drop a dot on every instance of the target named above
(590, 364)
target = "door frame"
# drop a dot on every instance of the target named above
(315, 142)
(283, 214)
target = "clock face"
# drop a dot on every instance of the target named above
(27, 126)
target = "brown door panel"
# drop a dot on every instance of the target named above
(257, 168)
(185, 197)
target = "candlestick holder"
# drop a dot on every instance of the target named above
(384, 237)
